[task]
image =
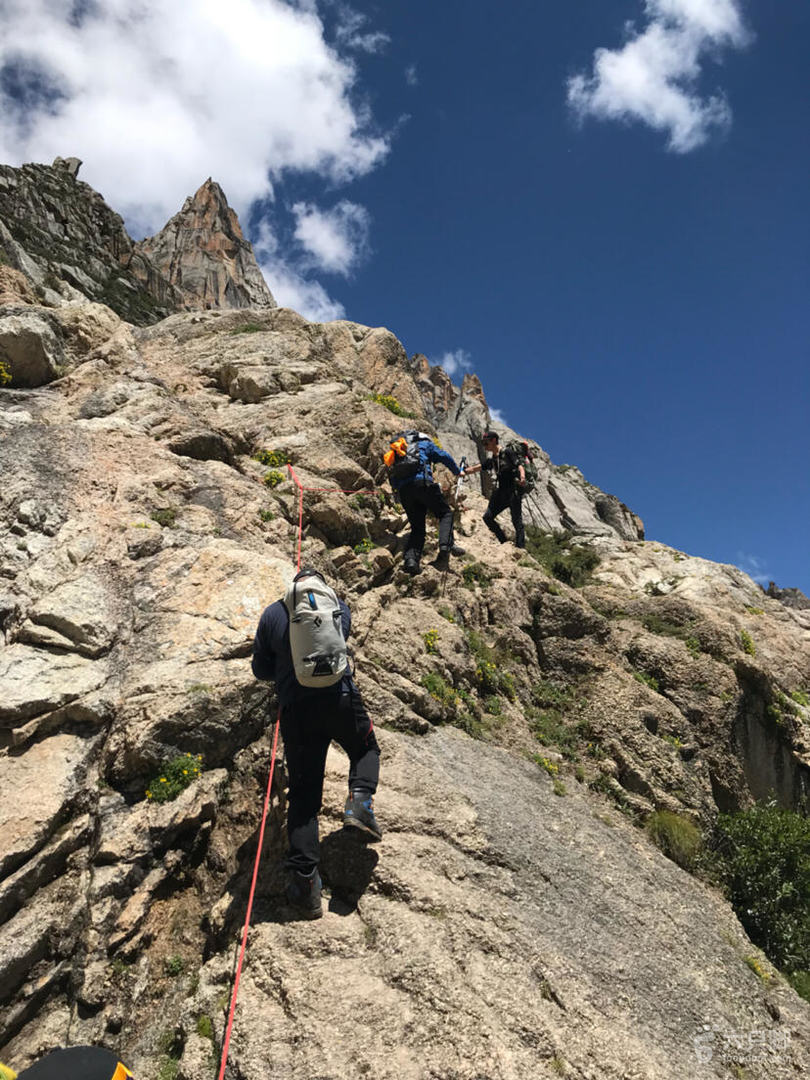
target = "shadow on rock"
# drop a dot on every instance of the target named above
(347, 865)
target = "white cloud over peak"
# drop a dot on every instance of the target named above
(155, 97)
(496, 415)
(288, 281)
(335, 240)
(455, 361)
(654, 77)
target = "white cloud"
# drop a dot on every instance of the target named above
(754, 567)
(350, 32)
(497, 416)
(155, 97)
(336, 240)
(288, 281)
(411, 75)
(455, 361)
(653, 78)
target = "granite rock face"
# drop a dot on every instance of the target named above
(528, 728)
(67, 242)
(202, 252)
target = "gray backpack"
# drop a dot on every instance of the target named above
(316, 632)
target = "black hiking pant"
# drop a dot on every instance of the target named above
(308, 726)
(501, 497)
(417, 499)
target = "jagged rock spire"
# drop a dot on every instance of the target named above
(203, 252)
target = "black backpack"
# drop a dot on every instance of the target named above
(523, 456)
(404, 459)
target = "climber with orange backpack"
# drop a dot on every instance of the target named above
(408, 460)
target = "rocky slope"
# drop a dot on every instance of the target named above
(70, 245)
(526, 727)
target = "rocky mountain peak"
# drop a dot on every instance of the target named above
(203, 251)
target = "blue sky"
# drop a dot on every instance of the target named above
(616, 243)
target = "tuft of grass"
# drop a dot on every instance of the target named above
(5, 375)
(248, 328)
(573, 564)
(431, 638)
(800, 697)
(174, 777)
(648, 680)
(677, 837)
(446, 613)
(363, 547)
(747, 643)
(266, 515)
(205, 1027)
(754, 610)
(166, 518)
(475, 573)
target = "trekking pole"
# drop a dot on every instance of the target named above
(461, 477)
(229, 1027)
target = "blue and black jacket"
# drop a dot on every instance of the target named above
(429, 454)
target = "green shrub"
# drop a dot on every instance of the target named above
(747, 643)
(800, 697)
(430, 638)
(475, 573)
(266, 515)
(764, 862)
(446, 613)
(174, 966)
(491, 674)
(273, 478)
(800, 981)
(205, 1027)
(678, 837)
(274, 459)
(693, 645)
(174, 777)
(364, 547)
(455, 704)
(166, 518)
(570, 563)
(5, 375)
(493, 705)
(754, 610)
(388, 401)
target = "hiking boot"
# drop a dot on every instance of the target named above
(359, 814)
(304, 893)
(457, 549)
(410, 566)
(442, 561)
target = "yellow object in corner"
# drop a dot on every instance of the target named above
(6, 1073)
(121, 1073)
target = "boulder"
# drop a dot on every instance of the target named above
(30, 350)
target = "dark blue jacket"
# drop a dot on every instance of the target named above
(272, 657)
(429, 453)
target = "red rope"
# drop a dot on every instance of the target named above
(320, 491)
(250, 907)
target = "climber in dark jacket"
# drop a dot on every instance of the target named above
(511, 479)
(419, 494)
(310, 719)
